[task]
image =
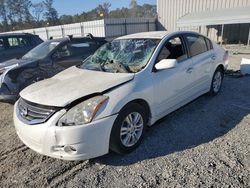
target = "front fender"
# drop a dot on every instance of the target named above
(19, 77)
(126, 93)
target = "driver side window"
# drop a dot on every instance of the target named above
(173, 49)
(63, 51)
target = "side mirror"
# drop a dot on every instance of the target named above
(55, 56)
(166, 64)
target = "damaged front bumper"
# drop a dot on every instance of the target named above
(70, 142)
(6, 95)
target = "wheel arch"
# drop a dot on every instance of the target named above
(143, 103)
(221, 66)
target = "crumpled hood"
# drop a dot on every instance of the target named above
(11, 62)
(71, 85)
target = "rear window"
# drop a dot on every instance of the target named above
(18, 42)
(197, 44)
(82, 46)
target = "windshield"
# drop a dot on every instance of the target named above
(122, 56)
(41, 51)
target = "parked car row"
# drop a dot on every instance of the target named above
(107, 101)
(42, 62)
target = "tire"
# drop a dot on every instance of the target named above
(118, 139)
(216, 82)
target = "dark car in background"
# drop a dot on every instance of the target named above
(44, 61)
(15, 45)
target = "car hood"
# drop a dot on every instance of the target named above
(72, 84)
(13, 62)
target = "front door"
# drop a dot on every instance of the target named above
(173, 86)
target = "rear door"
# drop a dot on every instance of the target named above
(203, 58)
(17, 46)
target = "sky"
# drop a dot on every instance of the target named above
(78, 6)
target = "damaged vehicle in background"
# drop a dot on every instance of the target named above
(108, 101)
(44, 61)
(15, 45)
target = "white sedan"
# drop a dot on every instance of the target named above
(108, 101)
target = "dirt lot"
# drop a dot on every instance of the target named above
(204, 144)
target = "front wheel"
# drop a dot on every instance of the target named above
(128, 129)
(216, 82)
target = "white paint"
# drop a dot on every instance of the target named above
(166, 64)
(150, 35)
(70, 85)
(164, 91)
(245, 66)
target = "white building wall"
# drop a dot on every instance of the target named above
(169, 11)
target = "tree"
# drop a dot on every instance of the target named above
(133, 4)
(15, 14)
(133, 8)
(66, 19)
(3, 15)
(51, 13)
(37, 10)
(103, 9)
(18, 13)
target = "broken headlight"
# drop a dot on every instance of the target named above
(84, 112)
(2, 70)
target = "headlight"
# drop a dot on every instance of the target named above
(84, 112)
(2, 70)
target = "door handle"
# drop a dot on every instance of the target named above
(213, 57)
(189, 70)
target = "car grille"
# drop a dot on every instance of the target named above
(32, 114)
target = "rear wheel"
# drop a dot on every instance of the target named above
(128, 129)
(217, 81)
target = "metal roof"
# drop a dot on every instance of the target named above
(217, 17)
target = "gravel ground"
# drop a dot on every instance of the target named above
(204, 144)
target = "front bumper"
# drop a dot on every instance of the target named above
(68, 143)
(8, 98)
(5, 94)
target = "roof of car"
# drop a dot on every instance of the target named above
(14, 34)
(151, 35)
(75, 39)
(155, 34)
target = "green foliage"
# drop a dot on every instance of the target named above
(22, 14)
(50, 14)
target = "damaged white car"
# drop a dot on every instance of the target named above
(107, 102)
